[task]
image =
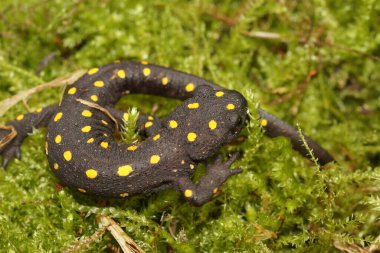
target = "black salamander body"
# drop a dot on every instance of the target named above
(84, 155)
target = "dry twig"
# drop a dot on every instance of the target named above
(81, 244)
(23, 95)
(126, 243)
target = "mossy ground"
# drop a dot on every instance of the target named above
(323, 73)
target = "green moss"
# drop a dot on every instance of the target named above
(324, 75)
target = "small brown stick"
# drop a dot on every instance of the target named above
(299, 89)
(347, 247)
(375, 247)
(60, 81)
(230, 21)
(81, 244)
(126, 243)
(264, 35)
(9, 137)
(113, 248)
(102, 109)
(351, 157)
(26, 105)
(45, 61)
(346, 49)
(262, 234)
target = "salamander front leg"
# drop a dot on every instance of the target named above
(208, 187)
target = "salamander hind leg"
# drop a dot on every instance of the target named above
(208, 187)
(9, 144)
(13, 133)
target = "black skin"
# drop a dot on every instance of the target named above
(275, 127)
(85, 157)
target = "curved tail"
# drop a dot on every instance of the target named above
(275, 127)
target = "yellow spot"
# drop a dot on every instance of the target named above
(191, 136)
(81, 190)
(94, 98)
(92, 71)
(125, 170)
(86, 129)
(165, 80)
(58, 116)
(156, 137)
(67, 155)
(264, 122)
(146, 71)
(123, 195)
(215, 190)
(190, 87)
(56, 166)
(104, 144)
(91, 173)
(99, 84)
(46, 147)
(58, 139)
(148, 124)
(219, 93)
(91, 140)
(116, 61)
(104, 122)
(188, 193)
(86, 113)
(212, 124)
(126, 116)
(192, 166)
(144, 62)
(121, 74)
(72, 91)
(20, 117)
(39, 110)
(183, 162)
(193, 105)
(230, 106)
(150, 118)
(173, 124)
(132, 148)
(154, 159)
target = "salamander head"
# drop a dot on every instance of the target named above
(209, 120)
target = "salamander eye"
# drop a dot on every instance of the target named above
(239, 121)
